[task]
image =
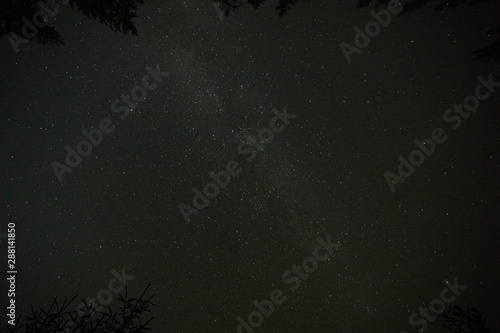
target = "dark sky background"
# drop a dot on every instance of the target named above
(322, 175)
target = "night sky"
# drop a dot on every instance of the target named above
(321, 175)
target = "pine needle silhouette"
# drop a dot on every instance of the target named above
(491, 52)
(459, 321)
(117, 15)
(59, 319)
(465, 322)
(486, 54)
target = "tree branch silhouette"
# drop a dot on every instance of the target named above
(16, 15)
(58, 319)
(486, 54)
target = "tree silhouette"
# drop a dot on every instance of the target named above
(283, 5)
(491, 52)
(465, 322)
(23, 20)
(459, 321)
(486, 54)
(58, 319)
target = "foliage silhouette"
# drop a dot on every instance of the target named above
(491, 52)
(117, 15)
(459, 321)
(485, 54)
(58, 319)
